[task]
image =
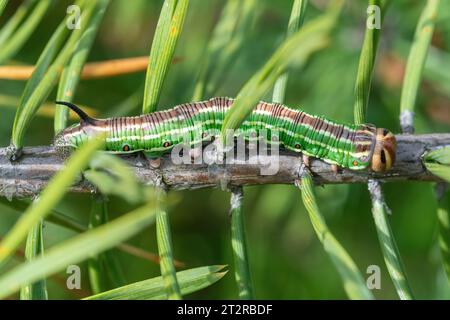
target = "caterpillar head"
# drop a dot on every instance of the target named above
(383, 156)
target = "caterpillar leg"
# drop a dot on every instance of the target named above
(196, 154)
(306, 160)
(153, 160)
(155, 163)
(215, 152)
(335, 168)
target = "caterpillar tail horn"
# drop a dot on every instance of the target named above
(83, 115)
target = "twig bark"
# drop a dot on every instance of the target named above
(92, 70)
(32, 172)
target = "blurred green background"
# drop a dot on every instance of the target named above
(287, 261)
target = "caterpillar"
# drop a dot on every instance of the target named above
(356, 147)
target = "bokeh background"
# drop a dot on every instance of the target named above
(287, 260)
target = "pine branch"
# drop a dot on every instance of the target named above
(32, 172)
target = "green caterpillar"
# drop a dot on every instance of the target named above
(350, 146)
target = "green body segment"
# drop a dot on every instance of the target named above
(345, 145)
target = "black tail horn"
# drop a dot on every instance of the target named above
(83, 115)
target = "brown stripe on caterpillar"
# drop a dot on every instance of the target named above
(286, 113)
(276, 110)
(324, 127)
(266, 107)
(364, 140)
(337, 131)
(146, 122)
(306, 119)
(158, 117)
(217, 102)
(173, 115)
(129, 123)
(194, 107)
(320, 125)
(222, 103)
(184, 112)
(299, 118)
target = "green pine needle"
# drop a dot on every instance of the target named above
(294, 51)
(438, 162)
(443, 214)
(33, 248)
(239, 245)
(165, 250)
(168, 31)
(80, 248)
(40, 86)
(3, 4)
(295, 22)
(20, 37)
(365, 68)
(16, 20)
(389, 248)
(228, 38)
(72, 71)
(190, 280)
(354, 284)
(416, 62)
(49, 197)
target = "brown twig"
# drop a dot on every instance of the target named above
(61, 281)
(47, 109)
(91, 70)
(150, 256)
(32, 172)
(65, 221)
